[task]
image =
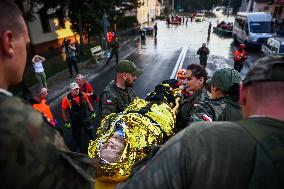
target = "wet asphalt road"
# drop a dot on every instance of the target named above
(158, 57)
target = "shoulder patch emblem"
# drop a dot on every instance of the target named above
(108, 102)
(206, 118)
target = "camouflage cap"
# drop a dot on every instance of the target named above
(225, 78)
(269, 68)
(128, 67)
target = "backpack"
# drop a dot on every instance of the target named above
(268, 171)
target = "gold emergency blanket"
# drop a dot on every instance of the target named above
(143, 124)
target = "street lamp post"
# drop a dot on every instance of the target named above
(228, 8)
(173, 6)
(105, 25)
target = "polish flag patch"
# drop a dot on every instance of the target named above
(206, 118)
(108, 102)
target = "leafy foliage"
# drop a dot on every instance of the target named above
(85, 15)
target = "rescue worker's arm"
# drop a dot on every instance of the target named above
(207, 51)
(88, 103)
(64, 107)
(199, 51)
(89, 89)
(107, 104)
(64, 115)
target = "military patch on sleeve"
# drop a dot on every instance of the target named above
(108, 102)
(206, 118)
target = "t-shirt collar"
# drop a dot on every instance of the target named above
(5, 92)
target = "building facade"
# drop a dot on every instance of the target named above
(148, 12)
(48, 34)
(275, 7)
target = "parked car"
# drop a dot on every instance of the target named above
(149, 30)
(274, 45)
(200, 17)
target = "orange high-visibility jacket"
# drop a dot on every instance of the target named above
(45, 110)
(239, 55)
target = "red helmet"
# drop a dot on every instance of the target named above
(242, 46)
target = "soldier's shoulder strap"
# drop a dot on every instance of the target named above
(268, 169)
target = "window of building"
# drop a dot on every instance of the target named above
(59, 23)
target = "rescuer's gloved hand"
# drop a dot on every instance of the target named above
(93, 115)
(67, 125)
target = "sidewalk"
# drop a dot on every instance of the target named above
(58, 84)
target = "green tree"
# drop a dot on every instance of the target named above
(85, 15)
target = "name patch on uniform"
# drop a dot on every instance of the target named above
(206, 118)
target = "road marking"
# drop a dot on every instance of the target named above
(179, 62)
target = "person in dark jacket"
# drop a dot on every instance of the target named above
(71, 59)
(114, 50)
(196, 78)
(203, 53)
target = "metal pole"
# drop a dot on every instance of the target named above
(105, 26)
(228, 8)
(173, 6)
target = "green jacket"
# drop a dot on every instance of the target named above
(186, 106)
(33, 154)
(115, 99)
(216, 155)
(221, 109)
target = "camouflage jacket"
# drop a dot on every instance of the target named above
(115, 99)
(186, 106)
(221, 109)
(215, 155)
(33, 154)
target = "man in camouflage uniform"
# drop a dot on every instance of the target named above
(33, 154)
(224, 103)
(119, 93)
(242, 154)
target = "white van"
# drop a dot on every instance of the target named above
(253, 28)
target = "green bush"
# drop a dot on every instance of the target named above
(126, 21)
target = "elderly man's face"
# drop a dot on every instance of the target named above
(112, 149)
(75, 92)
(181, 80)
(44, 93)
(80, 81)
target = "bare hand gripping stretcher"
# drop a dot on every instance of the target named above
(126, 137)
